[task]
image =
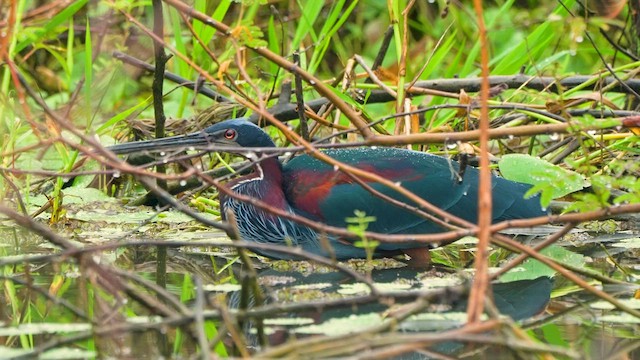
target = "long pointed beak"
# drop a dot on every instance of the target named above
(194, 140)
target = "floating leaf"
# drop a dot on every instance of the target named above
(605, 305)
(222, 287)
(622, 318)
(431, 282)
(341, 326)
(43, 328)
(360, 288)
(111, 216)
(435, 321)
(64, 353)
(80, 195)
(531, 268)
(55, 354)
(551, 181)
(288, 321)
(631, 243)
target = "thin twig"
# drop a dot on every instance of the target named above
(481, 285)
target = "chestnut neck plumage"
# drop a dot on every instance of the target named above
(264, 183)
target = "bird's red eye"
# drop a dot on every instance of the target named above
(230, 134)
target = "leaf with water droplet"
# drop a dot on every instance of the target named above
(531, 268)
(550, 180)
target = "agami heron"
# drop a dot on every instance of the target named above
(311, 188)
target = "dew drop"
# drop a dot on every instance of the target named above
(336, 168)
(287, 154)
(165, 160)
(572, 52)
(452, 146)
(510, 136)
(579, 39)
(543, 208)
(199, 167)
(374, 148)
(554, 136)
(162, 153)
(619, 127)
(312, 82)
(183, 182)
(591, 132)
(398, 183)
(116, 174)
(65, 179)
(464, 193)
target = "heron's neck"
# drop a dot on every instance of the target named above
(270, 169)
(267, 174)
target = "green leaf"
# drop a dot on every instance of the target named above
(529, 49)
(309, 12)
(551, 181)
(50, 28)
(553, 335)
(532, 269)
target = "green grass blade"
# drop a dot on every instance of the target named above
(309, 10)
(49, 30)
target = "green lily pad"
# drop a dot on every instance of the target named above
(531, 268)
(551, 181)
